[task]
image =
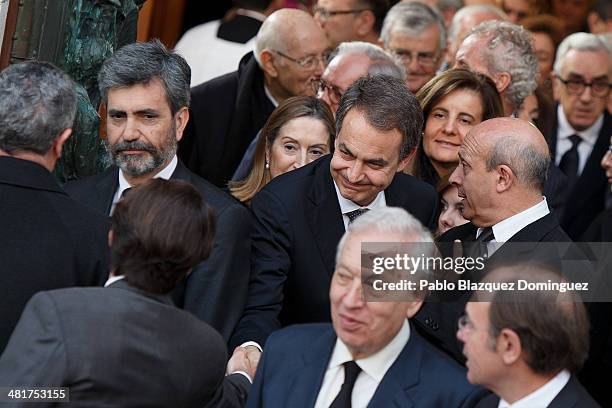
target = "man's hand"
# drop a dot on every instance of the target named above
(245, 358)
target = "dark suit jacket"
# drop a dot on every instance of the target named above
(119, 347)
(573, 395)
(295, 359)
(47, 240)
(587, 198)
(297, 227)
(438, 320)
(216, 289)
(226, 114)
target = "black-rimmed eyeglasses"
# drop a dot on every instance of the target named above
(599, 88)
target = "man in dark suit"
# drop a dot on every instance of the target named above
(299, 217)
(146, 91)
(526, 345)
(48, 241)
(290, 54)
(370, 355)
(501, 173)
(583, 126)
(126, 344)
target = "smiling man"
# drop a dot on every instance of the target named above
(301, 215)
(145, 89)
(370, 355)
(500, 176)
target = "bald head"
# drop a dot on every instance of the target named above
(515, 143)
(287, 29)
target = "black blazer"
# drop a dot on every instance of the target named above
(573, 395)
(297, 227)
(216, 289)
(226, 114)
(438, 320)
(587, 198)
(47, 240)
(119, 347)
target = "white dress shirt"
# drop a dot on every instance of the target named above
(543, 396)
(165, 174)
(373, 369)
(589, 137)
(113, 279)
(347, 206)
(506, 229)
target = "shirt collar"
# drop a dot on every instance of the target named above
(165, 174)
(113, 279)
(270, 97)
(543, 396)
(377, 364)
(348, 206)
(506, 229)
(589, 135)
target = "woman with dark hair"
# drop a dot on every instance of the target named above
(451, 207)
(300, 130)
(452, 102)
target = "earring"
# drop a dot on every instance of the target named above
(267, 164)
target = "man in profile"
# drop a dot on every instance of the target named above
(370, 355)
(48, 241)
(526, 345)
(127, 344)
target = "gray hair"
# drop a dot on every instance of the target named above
(580, 42)
(387, 104)
(268, 38)
(529, 165)
(510, 50)
(412, 19)
(468, 11)
(139, 63)
(382, 62)
(387, 220)
(37, 103)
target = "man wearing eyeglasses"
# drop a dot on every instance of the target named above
(582, 80)
(351, 20)
(415, 33)
(291, 52)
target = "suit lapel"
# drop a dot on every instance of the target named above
(403, 375)
(306, 382)
(568, 396)
(323, 214)
(105, 191)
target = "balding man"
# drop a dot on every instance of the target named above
(290, 55)
(464, 20)
(501, 173)
(416, 34)
(351, 20)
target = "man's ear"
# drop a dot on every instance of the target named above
(502, 81)
(555, 86)
(406, 161)
(509, 346)
(268, 63)
(413, 308)
(110, 237)
(59, 141)
(365, 23)
(180, 121)
(505, 178)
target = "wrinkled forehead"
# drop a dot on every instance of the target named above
(586, 63)
(472, 145)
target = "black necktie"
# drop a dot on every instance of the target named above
(569, 161)
(353, 215)
(480, 244)
(343, 399)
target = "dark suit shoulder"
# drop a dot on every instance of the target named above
(213, 195)
(298, 334)
(490, 401)
(223, 85)
(82, 187)
(462, 232)
(293, 185)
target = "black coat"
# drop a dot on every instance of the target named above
(48, 240)
(216, 289)
(573, 395)
(587, 197)
(438, 320)
(226, 114)
(119, 347)
(297, 227)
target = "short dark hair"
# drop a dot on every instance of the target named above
(387, 104)
(140, 63)
(553, 328)
(379, 8)
(37, 103)
(161, 230)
